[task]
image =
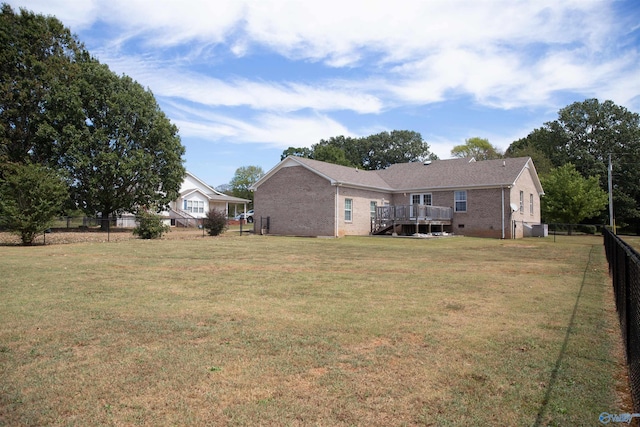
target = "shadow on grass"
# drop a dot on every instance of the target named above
(563, 350)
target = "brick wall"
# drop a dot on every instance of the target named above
(483, 217)
(298, 202)
(526, 185)
(361, 209)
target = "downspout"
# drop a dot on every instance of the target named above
(335, 221)
(502, 213)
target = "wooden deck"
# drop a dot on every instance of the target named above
(393, 218)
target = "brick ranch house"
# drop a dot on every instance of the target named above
(490, 198)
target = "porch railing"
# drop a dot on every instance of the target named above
(389, 215)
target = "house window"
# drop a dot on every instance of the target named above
(421, 199)
(531, 204)
(194, 206)
(460, 201)
(348, 209)
(522, 202)
(372, 207)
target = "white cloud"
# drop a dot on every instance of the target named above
(76, 14)
(277, 130)
(504, 54)
(168, 79)
(169, 23)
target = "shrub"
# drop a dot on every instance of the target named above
(150, 226)
(31, 196)
(215, 222)
(587, 229)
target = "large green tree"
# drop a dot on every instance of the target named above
(352, 149)
(478, 148)
(305, 152)
(62, 108)
(399, 146)
(585, 134)
(372, 152)
(37, 61)
(31, 196)
(331, 154)
(569, 197)
(243, 179)
(126, 155)
(541, 161)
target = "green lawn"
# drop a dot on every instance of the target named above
(262, 330)
(634, 241)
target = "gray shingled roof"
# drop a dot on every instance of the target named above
(452, 173)
(346, 175)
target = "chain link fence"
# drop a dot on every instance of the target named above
(126, 222)
(624, 268)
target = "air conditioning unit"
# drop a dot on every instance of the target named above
(540, 230)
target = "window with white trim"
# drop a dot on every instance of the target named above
(460, 201)
(193, 206)
(421, 199)
(522, 202)
(372, 207)
(348, 209)
(531, 204)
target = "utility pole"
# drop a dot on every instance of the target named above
(612, 222)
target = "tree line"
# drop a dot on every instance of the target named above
(73, 134)
(586, 135)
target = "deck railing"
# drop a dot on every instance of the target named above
(397, 214)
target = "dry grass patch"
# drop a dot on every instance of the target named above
(253, 330)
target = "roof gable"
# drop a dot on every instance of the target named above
(192, 183)
(335, 174)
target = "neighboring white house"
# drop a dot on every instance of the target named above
(197, 198)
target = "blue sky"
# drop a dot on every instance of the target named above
(243, 80)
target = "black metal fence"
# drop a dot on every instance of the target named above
(624, 267)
